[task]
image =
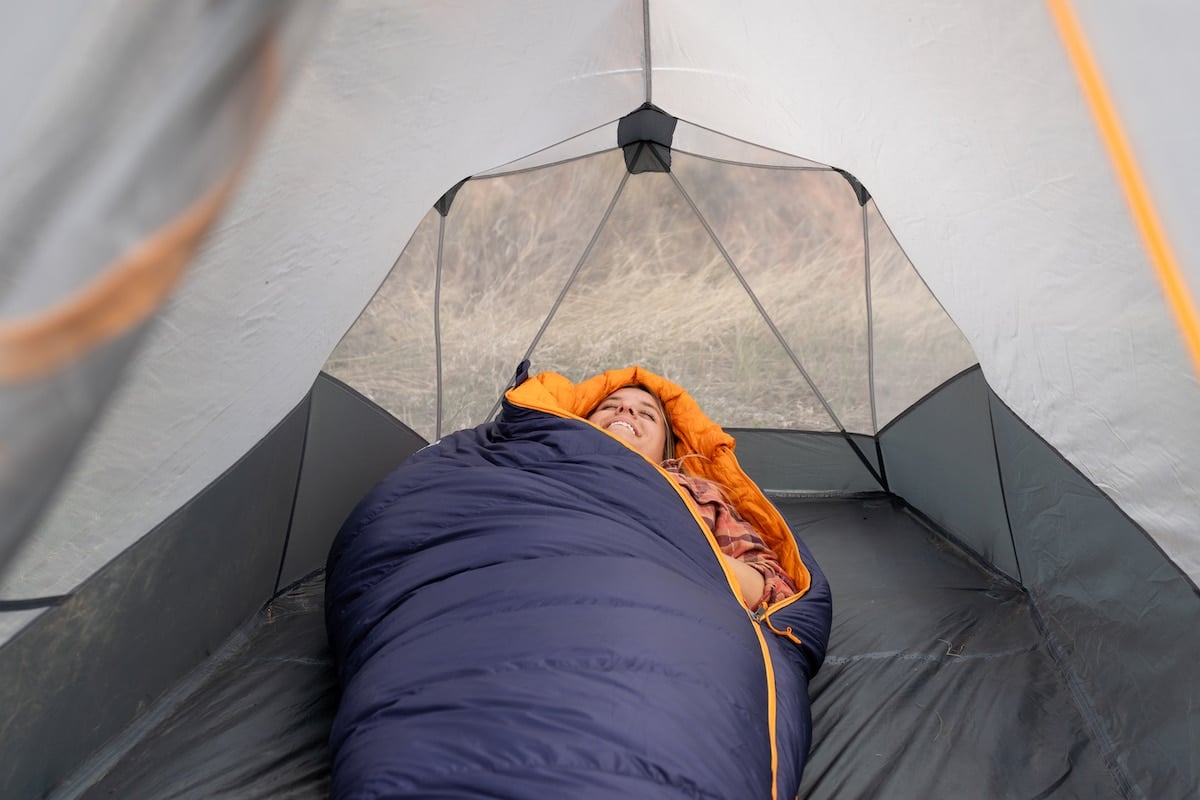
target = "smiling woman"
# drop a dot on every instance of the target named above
(636, 415)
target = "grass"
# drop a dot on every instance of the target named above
(655, 290)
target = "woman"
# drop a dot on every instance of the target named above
(636, 416)
(534, 611)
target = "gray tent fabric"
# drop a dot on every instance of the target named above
(1114, 608)
(252, 723)
(944, 676)
(941, 456)
(85, 669)
(968, 150)
(916, 622)
(783, 461)
(350, 444)
(126, 142)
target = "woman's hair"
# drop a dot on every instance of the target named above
(669, 446)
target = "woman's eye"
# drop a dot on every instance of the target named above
(648, 415)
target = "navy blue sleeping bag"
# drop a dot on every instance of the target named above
(528, 609)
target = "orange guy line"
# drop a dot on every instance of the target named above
(1141, 205)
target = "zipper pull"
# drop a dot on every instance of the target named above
(786, 632)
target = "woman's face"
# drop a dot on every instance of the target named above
(632, 414)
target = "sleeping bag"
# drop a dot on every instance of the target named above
(532, 609)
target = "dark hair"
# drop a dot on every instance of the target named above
(669, 444)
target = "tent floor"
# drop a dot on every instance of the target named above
(938, 683)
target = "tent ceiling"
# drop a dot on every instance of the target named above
(964, 120)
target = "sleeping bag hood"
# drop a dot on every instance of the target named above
(695, 434)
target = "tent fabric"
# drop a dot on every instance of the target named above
(1113, 608)
(350, 443)
(82, 671)
(941, 458)
(128, 130)
(939, 681)
(252, 722)
(990, 183)
(255, 722)
(798, 461)
(889, 685)
(966, 124)
(534, 608)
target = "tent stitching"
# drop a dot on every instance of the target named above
(437, 322)
(647, 69)
(1091, 718)
(287, 534)
(1003, 490)
(866, 236)
(771, 323)
(587, 251)
(1179, 571)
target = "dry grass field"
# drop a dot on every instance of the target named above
(651, 287)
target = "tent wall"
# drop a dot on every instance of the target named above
(87, 668)
(126, 129)
(1121, 615)
(254, 723)
(351, 444)
(940, 457)
(1086, 634)
(782, 461)
(132, 631)
(937, 683)
(1114, 607)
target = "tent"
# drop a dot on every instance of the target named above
(949, 274)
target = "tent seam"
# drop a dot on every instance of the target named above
(587, 251)
(1091, 718)
(1117, 506)
(1003, 489)
(437, 324)
(968, 552)
(33, 603)
(870, 322)
(817, 164)
(871, 348)
(732, 163)
(956, 376)
(647, 69)
(754, 299)
(767, 319)
(287, 536)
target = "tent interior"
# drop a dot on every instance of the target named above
(942, 676)
(1003, 626)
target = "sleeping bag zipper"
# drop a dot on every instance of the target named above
(730, 578)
